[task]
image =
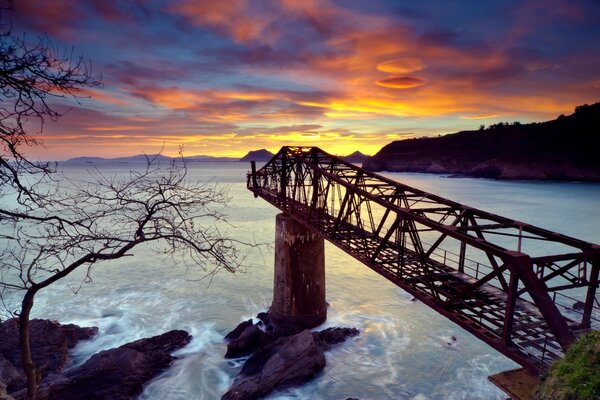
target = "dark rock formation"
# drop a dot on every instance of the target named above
(234, 334)
(248, 341)
(331, 336)
(257, 155)
(561, 149)
(167, 342)
(9, 375)
(117, 373)
(286, 362)
(3, 394)
(112, 374)
(50, 344)
(281, 357)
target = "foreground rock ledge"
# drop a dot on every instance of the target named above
(111, 374)
(280, 359)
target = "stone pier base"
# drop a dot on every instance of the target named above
(299, 285)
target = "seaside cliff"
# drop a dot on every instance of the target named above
(562, 149)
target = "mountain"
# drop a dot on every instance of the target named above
(132, 159)
(356, 157)
(84, 160)
(562, 149)
(209, 159)
(257, 155)
(141, 158)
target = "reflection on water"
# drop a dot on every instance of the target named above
(404, 351)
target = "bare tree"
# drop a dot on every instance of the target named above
(51, 226)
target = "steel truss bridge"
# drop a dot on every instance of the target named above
(526, 291)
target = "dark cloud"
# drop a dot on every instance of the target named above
(401, 82)
(53, 18)
(134, 72)
(110, 11)
(257, 55)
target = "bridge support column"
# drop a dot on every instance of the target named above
(299, 284)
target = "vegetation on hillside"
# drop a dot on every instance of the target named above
(564, 148)
(577, 375)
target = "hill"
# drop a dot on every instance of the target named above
(257, 155)
(562, 149)
(142, 158)
(356, 157)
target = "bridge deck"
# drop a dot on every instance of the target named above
(503, 304)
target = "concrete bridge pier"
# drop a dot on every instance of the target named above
(299, 279)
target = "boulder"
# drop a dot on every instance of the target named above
(50, 344)
(248, 341)
(117, 373)
(3, 394)
(168, 342)
(578, 305)
(9, 375)
(237, 331)
(286, 362)
(332, 336)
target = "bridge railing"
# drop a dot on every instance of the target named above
(506, 276)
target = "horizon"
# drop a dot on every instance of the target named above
(190, 156)
(220, 79)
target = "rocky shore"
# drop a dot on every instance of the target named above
(111, 374)
(280, 356)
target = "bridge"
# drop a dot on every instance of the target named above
(526, 291)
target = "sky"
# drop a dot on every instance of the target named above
(225, 77)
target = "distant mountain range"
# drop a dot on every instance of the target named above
(142, 158)
(261, 155)
(562, 149)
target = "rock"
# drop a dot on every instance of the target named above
(9, 375)
(264, 317)
(248, 341)
(168, 342)
(281, 356)
(331, 336)
(50, 344)
(578, 306)
(286, 362)
(117, 373)
(3, 394)
(237, 331)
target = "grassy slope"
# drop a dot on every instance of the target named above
(577, 375)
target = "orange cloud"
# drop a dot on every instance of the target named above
(103, 96)
(402, 65)
(401, 82)
(115, 128)
(233, 17)
(478, 116)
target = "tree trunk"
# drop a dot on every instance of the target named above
(26, 360)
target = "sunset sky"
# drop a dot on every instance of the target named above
(225, 77)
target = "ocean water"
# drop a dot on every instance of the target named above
(404, 350)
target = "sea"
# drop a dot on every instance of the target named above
(405, 350)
